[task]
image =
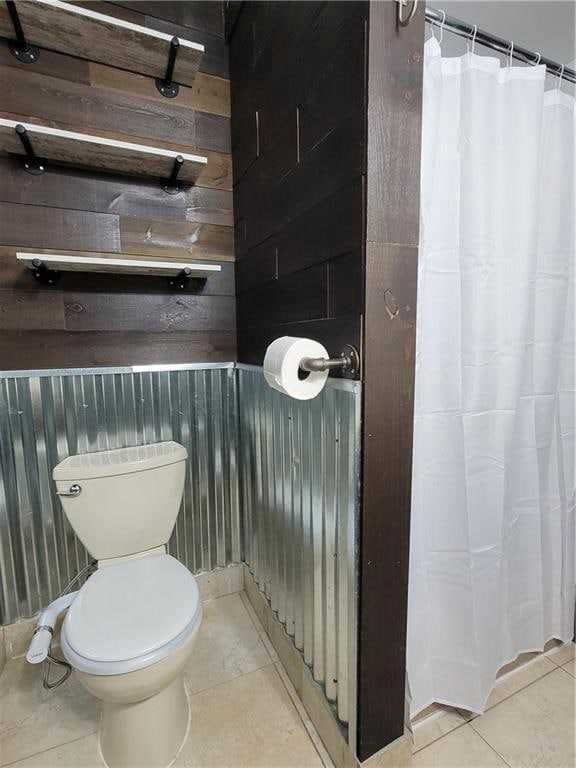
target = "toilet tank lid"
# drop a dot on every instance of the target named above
(119, 461)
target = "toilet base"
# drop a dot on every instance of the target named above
(146, 734)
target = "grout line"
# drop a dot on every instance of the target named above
(288, 685)
(304, 717)
(224, 682)
(475, 717)
(48, 749)
(563, 667)
(511, 695)
(555, 651)
(259, 627)
(442, 736)
(493, 749)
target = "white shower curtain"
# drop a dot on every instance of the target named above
(492, 569)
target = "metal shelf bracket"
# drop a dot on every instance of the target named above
(165, 85)
(31, 163)
(43, 275)
(21, 48)
(171, 186)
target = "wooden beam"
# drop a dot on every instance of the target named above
(85, 150)
(392, 219)
(91, 35)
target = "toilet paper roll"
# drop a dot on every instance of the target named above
(282, 366)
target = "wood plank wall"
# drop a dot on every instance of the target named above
(298, 137)
(392, 234)
(107, 320)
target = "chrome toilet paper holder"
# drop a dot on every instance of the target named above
(348, 362)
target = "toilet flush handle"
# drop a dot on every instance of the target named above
(74, 490)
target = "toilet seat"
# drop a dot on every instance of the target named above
(131, 615)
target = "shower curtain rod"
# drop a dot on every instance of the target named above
(464, 29)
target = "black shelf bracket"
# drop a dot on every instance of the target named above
(44, 275)
(179, 282)
(31, 163)
(171, 186)
(166, 86)
(20, 47)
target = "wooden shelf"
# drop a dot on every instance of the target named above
(115, 265)
(84, 150)
(88, 34)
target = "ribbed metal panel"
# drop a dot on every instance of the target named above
(44, 418)
(299, 485)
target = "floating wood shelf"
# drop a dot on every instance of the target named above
(84, 150)
(45, 265)
(46, 268)
(88, 34)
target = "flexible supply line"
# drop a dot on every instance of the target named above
(40, 645)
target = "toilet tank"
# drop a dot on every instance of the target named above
(128, 499)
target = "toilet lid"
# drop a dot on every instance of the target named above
(131, 609)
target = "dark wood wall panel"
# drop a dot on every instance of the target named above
(93, 109)
(298, 147)
(34, 226)
(102, 193)
(63, 349)
(392, 221)
(204, 17)
(107, 319)
(333, 333)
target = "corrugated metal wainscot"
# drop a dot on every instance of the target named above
(299, 486)
(46, 416)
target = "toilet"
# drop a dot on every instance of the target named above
(131, 629)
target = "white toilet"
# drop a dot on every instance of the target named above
(130, 631)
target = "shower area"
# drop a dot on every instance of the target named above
(492, 564)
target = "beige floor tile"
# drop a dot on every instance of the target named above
(82, 753)
(534, 727)
(570, 667)
(32, 719)
(308, 724)
(462, 748)
(229, 645)
(439, 722)
(259, 626)
(248, 721)
(562, 655)
(431, 709)
(18, 635)
(519, 678)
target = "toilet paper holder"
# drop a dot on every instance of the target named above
(348, 362)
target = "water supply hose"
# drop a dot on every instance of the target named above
(39, 649)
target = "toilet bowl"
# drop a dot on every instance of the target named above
(132, 628)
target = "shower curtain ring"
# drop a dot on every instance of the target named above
(560, 75)
(403, 21)
(473, 37)
(442, 26)
(535, 63)
(511, 53)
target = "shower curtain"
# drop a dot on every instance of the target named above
(492, 568)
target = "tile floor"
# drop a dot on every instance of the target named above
(245, 711)
(529, 722)
(243, 707)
